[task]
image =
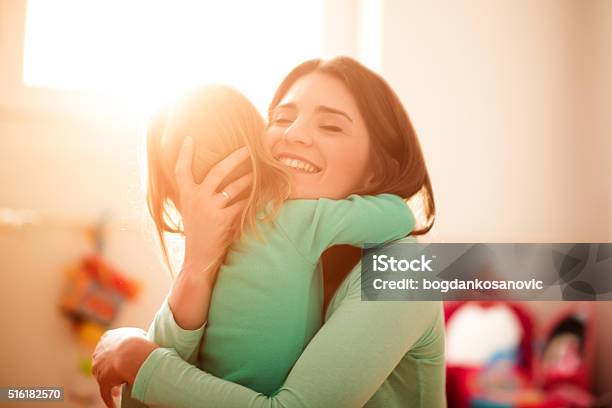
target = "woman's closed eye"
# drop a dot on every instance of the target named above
(331, 127)
(282, 118)
(331, 123)
(282, 121)
(334, 129)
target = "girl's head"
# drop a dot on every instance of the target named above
(348, 131)
(220, 120)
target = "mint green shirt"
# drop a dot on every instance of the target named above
(266, 308)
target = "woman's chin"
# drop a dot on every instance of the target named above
(301, 192)
(314, 194)
(306, 185)
(300, 195)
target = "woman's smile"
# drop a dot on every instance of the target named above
(318, 133)
(298, 164)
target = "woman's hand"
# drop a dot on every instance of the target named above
(117, 359)
(209, 216)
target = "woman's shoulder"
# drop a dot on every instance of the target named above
(428, 313)
(350, 288)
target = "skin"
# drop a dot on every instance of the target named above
(203, 209)
(126, 345)
(318, 122)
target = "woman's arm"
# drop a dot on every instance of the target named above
(165, 332)
(180, 321)
(209, 222)
(343, 366)
(209, 219)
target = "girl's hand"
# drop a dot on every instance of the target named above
(210, 217)
(117, 359)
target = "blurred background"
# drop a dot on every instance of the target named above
(511, 99)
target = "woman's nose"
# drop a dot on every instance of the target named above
(298, 132)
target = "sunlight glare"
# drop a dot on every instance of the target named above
(143, 53)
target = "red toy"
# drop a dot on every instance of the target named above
(556, 376)
(95, 290)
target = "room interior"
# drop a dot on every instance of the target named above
(511, 100)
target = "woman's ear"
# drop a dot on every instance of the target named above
(369, 181)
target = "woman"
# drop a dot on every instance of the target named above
(347, 121)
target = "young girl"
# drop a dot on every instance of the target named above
(266, 304)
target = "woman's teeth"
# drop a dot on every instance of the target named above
(298, 164)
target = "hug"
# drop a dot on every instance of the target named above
(266, 310)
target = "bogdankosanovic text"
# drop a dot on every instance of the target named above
(456, 284)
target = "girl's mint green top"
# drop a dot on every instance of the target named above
(266, 308)
(267, 301)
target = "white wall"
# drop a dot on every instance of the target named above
(512, 102)
(70, 159)
(506, 96)
(490, 89)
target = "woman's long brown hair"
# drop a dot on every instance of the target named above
(396, 158)
(395, 155)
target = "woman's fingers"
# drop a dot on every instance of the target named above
(105, 393)
(220, 170)
(236, 187)
(105, 358)
(232, 212)
(182, 168)
(232, 215)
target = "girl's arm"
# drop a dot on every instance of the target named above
(343, 366)
(315, 225)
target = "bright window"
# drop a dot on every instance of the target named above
(148, 51)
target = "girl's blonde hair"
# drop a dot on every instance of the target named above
(220, 120)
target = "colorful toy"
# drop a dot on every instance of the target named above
(93, 294)
(556, 377)
(95, 291)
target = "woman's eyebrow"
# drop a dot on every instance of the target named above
(289, 105)
(323, 108)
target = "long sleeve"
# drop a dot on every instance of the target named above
(315, 225)
(347, 361)
(165, 332)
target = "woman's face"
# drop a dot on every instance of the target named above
(316, 130)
